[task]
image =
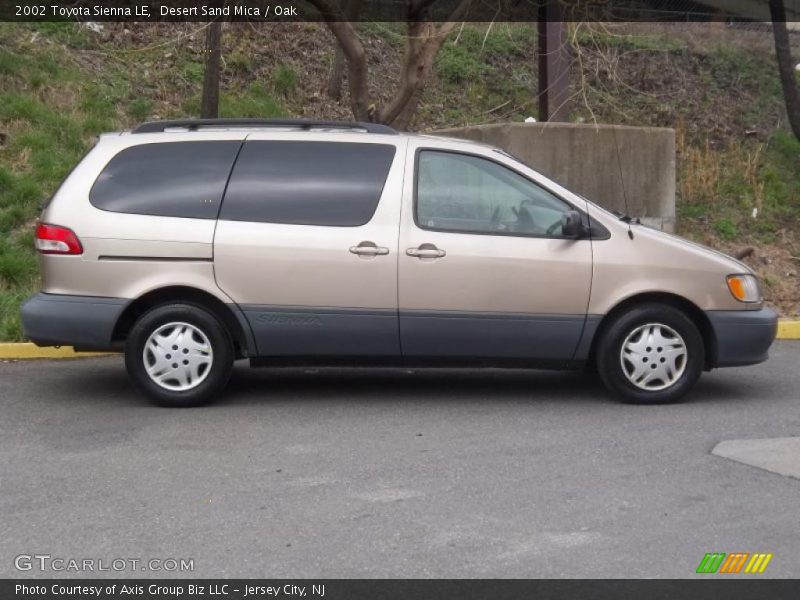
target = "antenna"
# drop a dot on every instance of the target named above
(622, 183)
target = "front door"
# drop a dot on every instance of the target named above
(306, 243)
(484, 271)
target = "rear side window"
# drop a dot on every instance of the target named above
(175, 179)
(307, 183)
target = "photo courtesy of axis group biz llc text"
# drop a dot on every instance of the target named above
(407, 299)
(168, 589)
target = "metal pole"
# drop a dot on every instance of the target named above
(553, 55)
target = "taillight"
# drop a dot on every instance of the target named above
(54, 239)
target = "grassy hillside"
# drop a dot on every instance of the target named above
(62, 84)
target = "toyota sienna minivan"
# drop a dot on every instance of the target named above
(192, 244)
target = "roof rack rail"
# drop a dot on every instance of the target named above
(304, 124)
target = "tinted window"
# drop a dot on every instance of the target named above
(177, 179)
(460, 192)
(307, 183)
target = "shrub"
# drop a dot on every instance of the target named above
(239, 62)
(255, 101)
(193, 72)
(17, 265)
(458, 64)
(139, 109)
(284, 80)
(726, 229)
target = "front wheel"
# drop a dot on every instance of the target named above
(179, 355)
(651, 354)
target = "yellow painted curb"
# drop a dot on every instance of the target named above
(28, 350)
(789, 329)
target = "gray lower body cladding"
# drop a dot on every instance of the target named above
(321, 331)
(336, 332)
(743, 336)
(86, 322)
(491, 335)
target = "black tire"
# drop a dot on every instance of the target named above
(610, 364)
(214, 378)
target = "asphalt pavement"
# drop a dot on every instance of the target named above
(391, 473)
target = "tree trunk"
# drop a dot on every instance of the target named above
(783, 51)
(420, 59)
(356, 69)
(210, 105)
(351, 10)
(337, 73)
(423, 41)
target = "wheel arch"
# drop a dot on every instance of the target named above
(235, 324)
(689, 308)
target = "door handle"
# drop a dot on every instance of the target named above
(369, 249)
(426, 251)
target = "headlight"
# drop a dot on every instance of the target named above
(744, 288)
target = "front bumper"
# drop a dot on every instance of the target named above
(86, 322)
(743, 336)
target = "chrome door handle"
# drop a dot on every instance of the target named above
(369, 249)
(426, 251)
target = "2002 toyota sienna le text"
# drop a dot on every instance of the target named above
(192, 244)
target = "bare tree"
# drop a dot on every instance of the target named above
(209, 108)
(783, 51)
(424, 39)
(351, 10)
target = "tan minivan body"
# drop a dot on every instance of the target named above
(330, 243)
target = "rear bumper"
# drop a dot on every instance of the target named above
(86, 322)
(743, 336)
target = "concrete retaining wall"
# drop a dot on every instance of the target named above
(583, 158)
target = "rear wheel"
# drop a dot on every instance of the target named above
(179, 355)
(651, 354)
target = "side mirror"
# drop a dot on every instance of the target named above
(572, 224)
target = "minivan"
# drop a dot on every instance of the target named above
(192, 244)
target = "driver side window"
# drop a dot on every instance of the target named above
(468, 194)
